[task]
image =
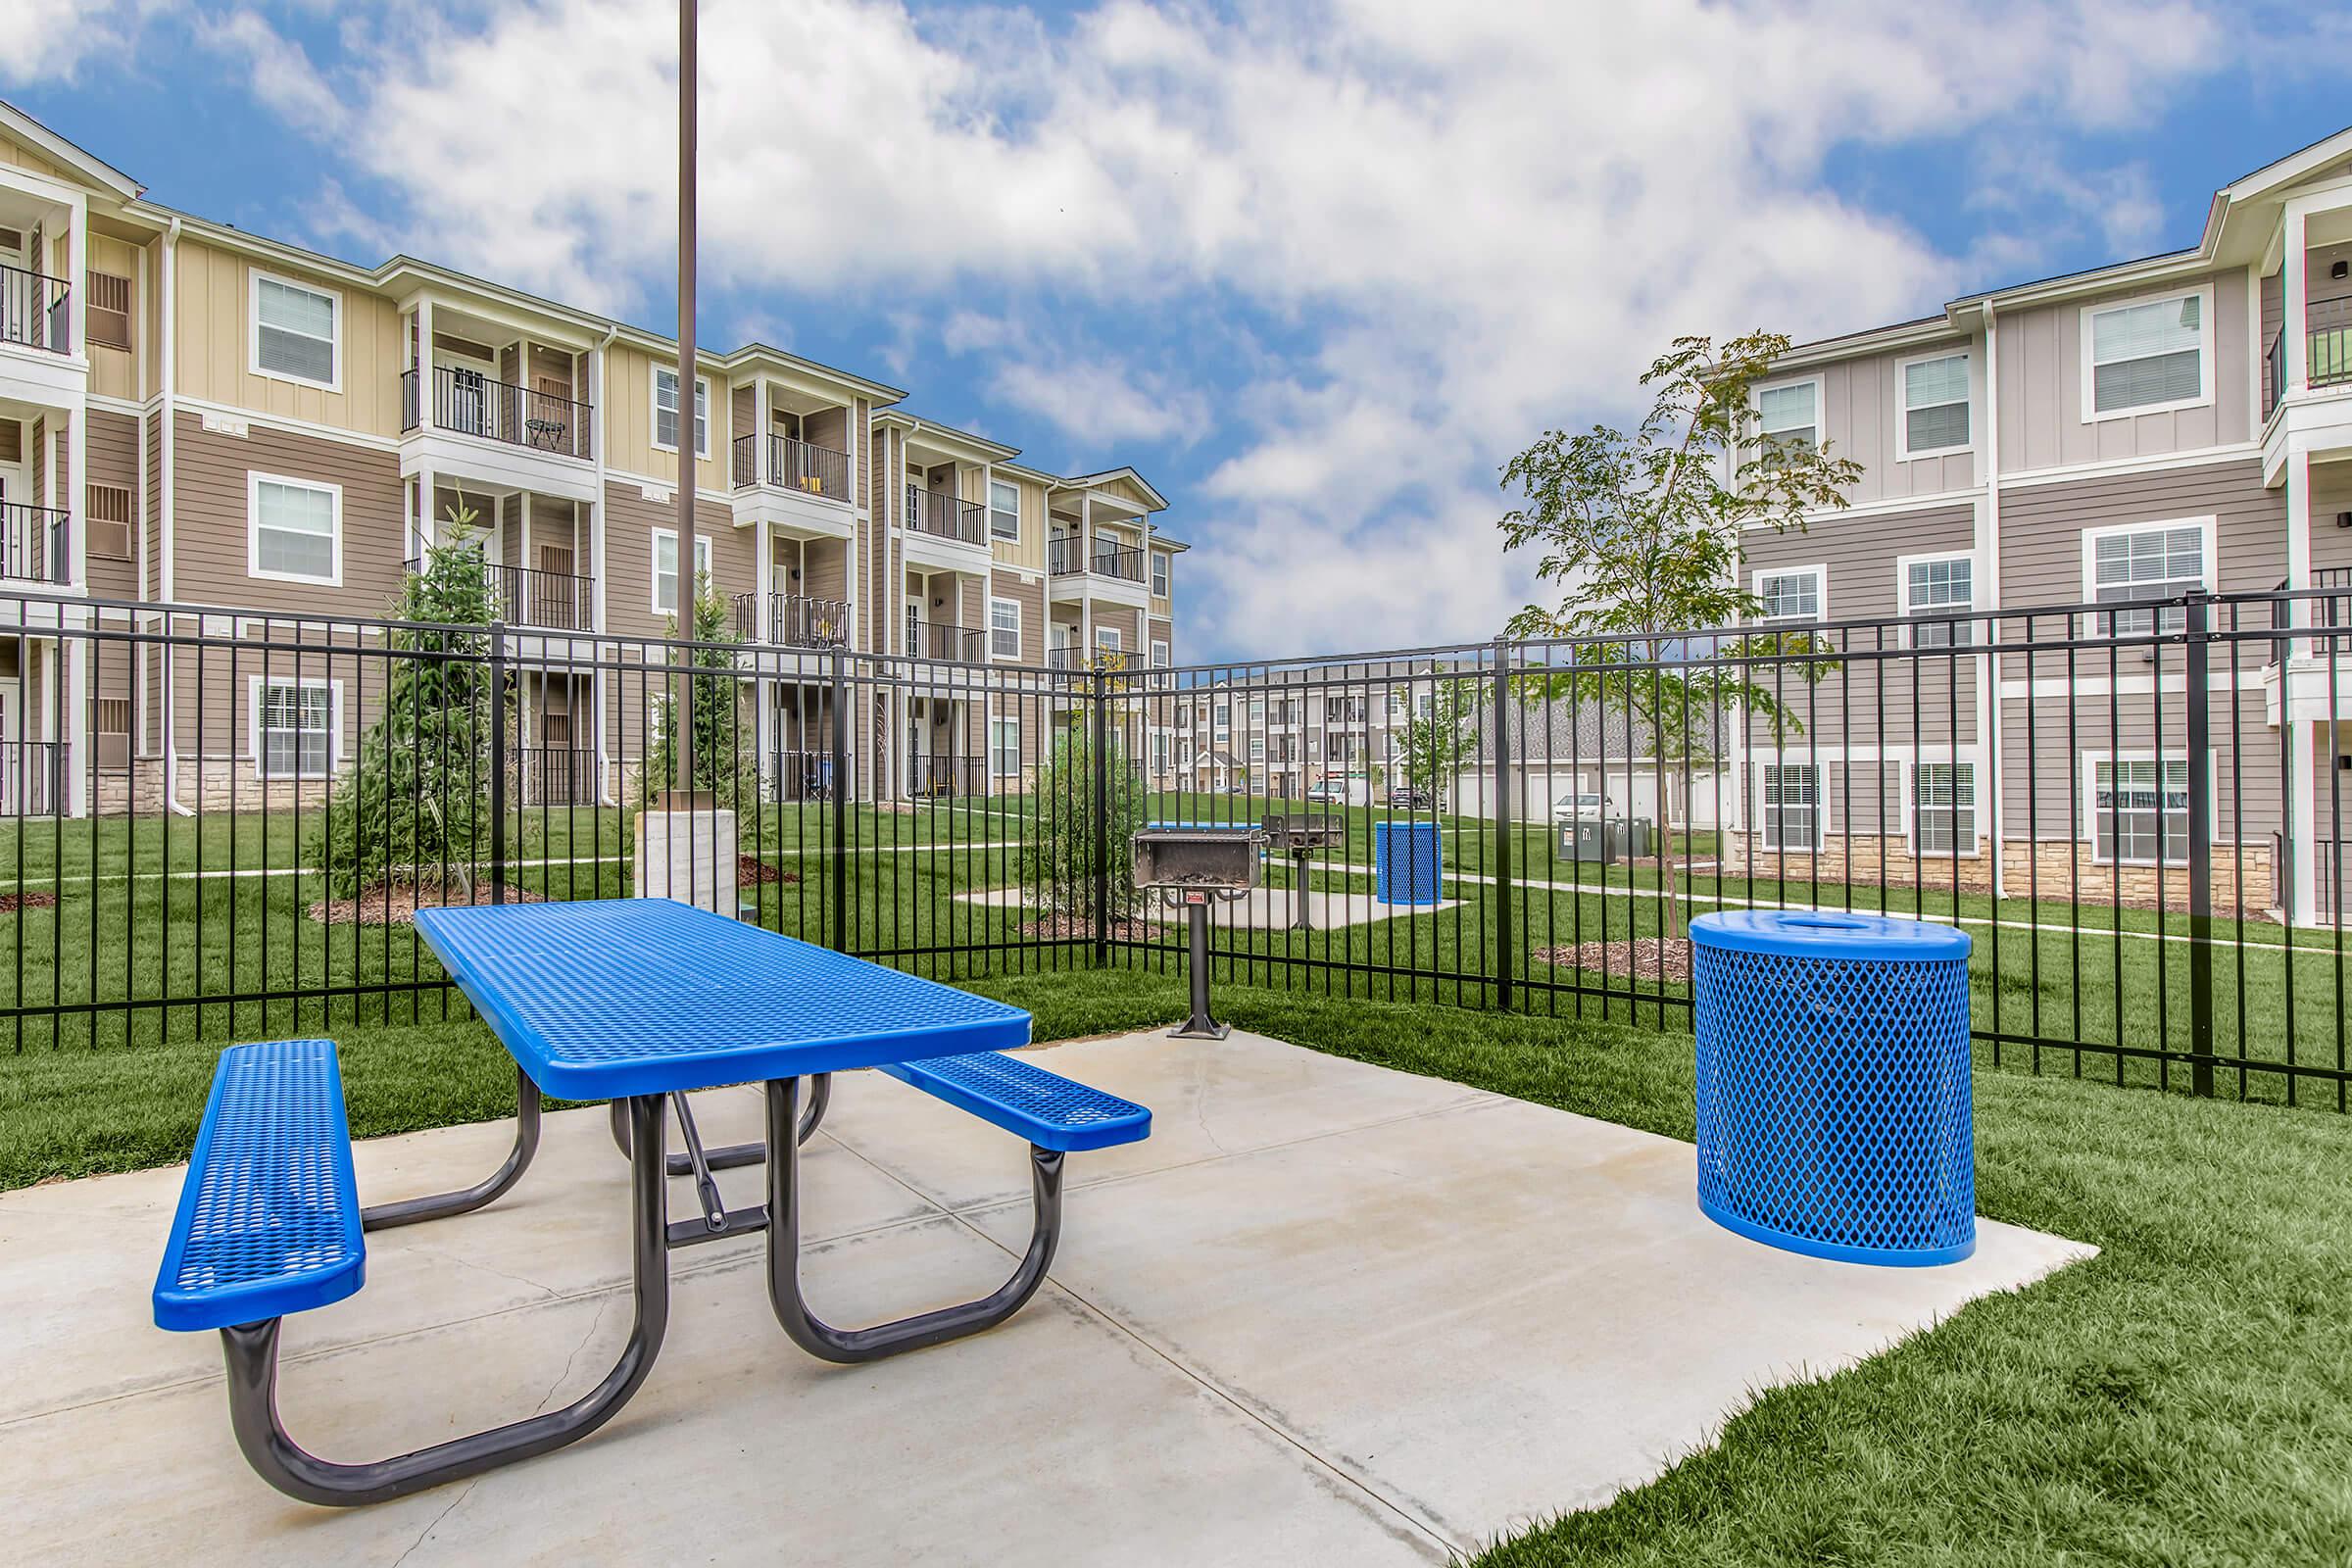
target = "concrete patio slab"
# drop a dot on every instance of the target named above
(1326, 1312)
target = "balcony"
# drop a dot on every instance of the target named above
(469, 403)
(525, 596)
(932, 639)
(551, 775)
(945, 516)
(795, 621)
(794, 774)
(35, 544)
(2309, 678)
(32, 777)
(37, 312)
(930, 776)
(1117, 561)
(791, 465)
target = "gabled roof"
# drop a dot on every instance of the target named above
(1088, 481)
(947, 434)
(97, 172)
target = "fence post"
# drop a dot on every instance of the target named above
(498, 761)
(1101, 786)
(839, 792)
(1506, 931)
(2200, 844)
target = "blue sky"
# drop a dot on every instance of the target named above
(1315, 270)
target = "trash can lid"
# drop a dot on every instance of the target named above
(1829, 934)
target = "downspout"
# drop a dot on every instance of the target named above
(167, 368)
(607, 791)
(1990, 708)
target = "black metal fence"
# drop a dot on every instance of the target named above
(2133, 809)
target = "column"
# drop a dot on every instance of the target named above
(2300, 827)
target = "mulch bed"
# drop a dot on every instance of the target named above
(386, 905)
(11, 902)
(750, 869)
(1079, 928)
(1638, 960)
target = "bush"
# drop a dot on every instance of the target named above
(1056, 860)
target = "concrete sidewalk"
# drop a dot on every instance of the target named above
(1327, 1312)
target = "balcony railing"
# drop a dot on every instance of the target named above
(32, 777)
(553, 775)
(35, 545)
(934, 639)
(930, 775)
(471, 404)
(793, 466)
(2273, 372)
(1106, 560)
(795, 621)
(936, 512)
(2332, 610)
(35, 312)
(2327, 342)
(527, 595)
(799, 775)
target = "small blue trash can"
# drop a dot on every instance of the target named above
(1834, 1116)
(1408, 862)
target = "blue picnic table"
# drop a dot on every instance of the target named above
(633, 1000)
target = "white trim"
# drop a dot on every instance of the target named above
(1902, 408)
(653, 563)
(2205, 366)
(1902, 592)
(2208, 563)
(1013, 719)
(1019, 630)
(1821, 806)
(1820, 410)
(653, 412)
(275, 422)
(253, 724)
(2204, 458)
(2085, 828)
(1976, 811)
(1159, 657)
(991, 481)
(1819, 573)
(255, 478)
(255, 278)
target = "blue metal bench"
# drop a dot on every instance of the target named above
(268, 1219)
(1020, 1096)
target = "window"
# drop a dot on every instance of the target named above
(294, 332)
(2139, 810)
(1003, 510)
(1005, 629)
(1943, 808)
(1106, 639)
(1790, 595)
(1160, 751)
(294, 529)
(666, 412)
(1004, 747)
(108, 311)
(1938, 587)
(2158, 561)
(1791, 415)
(1159, 575)
(665, 567)
(293, 729)
(1935, 395)
(108, 509)
(1159, 653)
(2143, 356)
(1791, 800)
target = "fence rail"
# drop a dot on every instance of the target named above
(2140, 829)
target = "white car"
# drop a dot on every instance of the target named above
(1330, 792)
(1578, 805)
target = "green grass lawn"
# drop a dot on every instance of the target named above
(2183, 1399)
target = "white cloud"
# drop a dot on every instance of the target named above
(53, 39)
(1481, 218)
(277, 69)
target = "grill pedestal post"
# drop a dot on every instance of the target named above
(1200, 1026)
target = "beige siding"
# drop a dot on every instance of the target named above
(1031, 596)
(2041, 387)
(113, 449)
(2043, 525)
(628, 416)
(115, 372)
(1029, 551)
(215, 347)
(1861, 419)
(210, 522)
(629, 523)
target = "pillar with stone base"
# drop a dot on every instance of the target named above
(685, 850)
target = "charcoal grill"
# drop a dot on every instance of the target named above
(1190, 865)
(1300, 837)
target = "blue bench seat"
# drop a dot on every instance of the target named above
(268, 1218)
(1020, 1096)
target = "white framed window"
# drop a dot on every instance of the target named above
(1003, 510)
(1106, 638)
(292, 727)
(1160, 751)
(1934, 416)
(1159, 575)
(293, 530)
(2139, 809)
(1159, 653)
(2145, 355)
(2143, 560)
(297, 331)
(1934, 590)
(1794, 593)
(1005, 629)
(1789, 414)
(665, 567)
(1789, 797)
(1004, 747)
(665, 410)
(1943, 808)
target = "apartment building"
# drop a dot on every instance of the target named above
(198, 416)
(2133, 431)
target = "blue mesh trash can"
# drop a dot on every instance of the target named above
(1408, 862)
(1834, 1116)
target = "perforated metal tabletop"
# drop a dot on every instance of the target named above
(602, 999)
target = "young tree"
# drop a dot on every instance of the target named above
(726, 755)
(1056, 860)
(419, 794)
(1437, 742)
(1641, 532)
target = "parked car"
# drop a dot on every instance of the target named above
(1327, 792)
(1577, 805)
(1406, 798)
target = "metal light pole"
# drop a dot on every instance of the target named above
(688, 586)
